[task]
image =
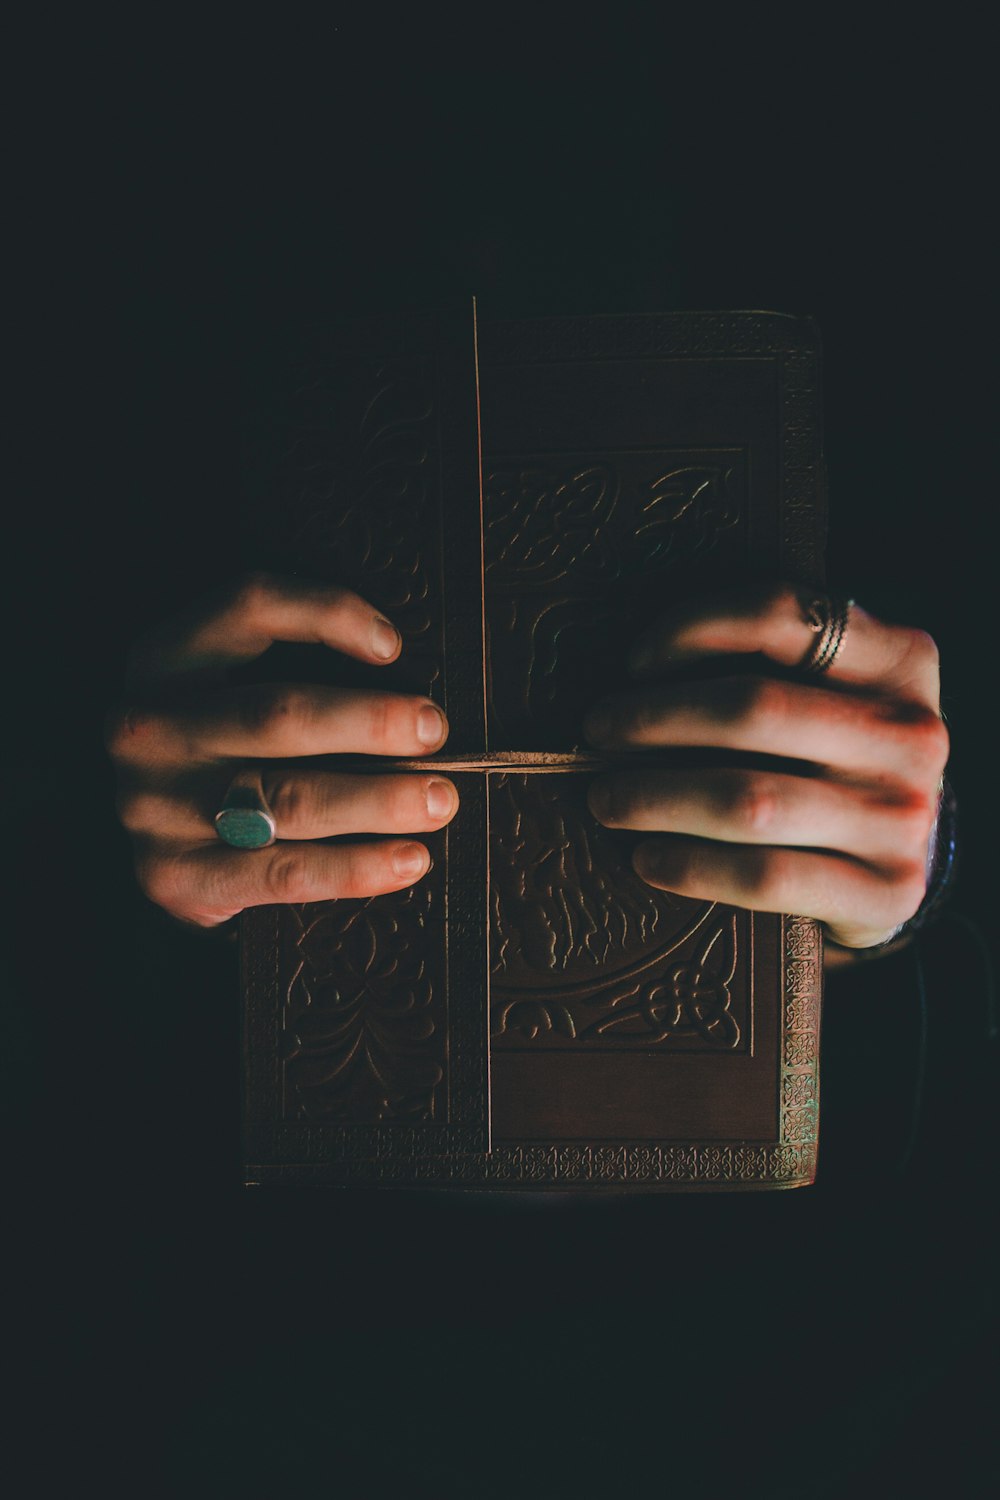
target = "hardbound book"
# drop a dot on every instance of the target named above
(522, 498)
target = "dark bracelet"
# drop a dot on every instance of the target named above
(944, 864)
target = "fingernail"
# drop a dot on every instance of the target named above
(430, 725)
(410, 860)
(440, 798)
(385, 638)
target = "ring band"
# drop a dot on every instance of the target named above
(827, 616)
(244, 820)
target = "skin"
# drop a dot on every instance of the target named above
(187, 731)
(837, 826)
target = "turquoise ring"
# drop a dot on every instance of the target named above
(244, 821)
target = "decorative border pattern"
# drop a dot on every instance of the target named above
(802, 961)
(721, 1166)
(803, 513)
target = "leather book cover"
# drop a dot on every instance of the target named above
(521, 499)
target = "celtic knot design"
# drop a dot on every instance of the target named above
(685, 510)
(693, 999)
(539, 524)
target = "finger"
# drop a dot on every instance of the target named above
(765, 807)
(317, 805)
(773, 622)
(860, 905)
(240, 624)
(771, 716)
(210, 883)
(305, 804)
(269, 720)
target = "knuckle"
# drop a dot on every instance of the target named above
(750, 802)
(287, 878)
(939, 742)
(273, 711)
(929, 740)
(252, 594)
(127, 729)
(770, 699)
(920, 650)
(135, 810)
(390, 722)
(158, 880)
(380, 719)
(290, 801)
(771, 879)
(635, 717)
(914, 817)
(778, 601)
(756, 698)
(908, 888)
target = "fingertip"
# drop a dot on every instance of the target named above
(411, 861)
(442, 799)
(386, 641)
(432, 726)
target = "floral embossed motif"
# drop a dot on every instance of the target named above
(583, 950)
(565, 899)
(689, 998)
(692, 998)
(363, 1023)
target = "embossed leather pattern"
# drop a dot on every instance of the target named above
(532, 1014)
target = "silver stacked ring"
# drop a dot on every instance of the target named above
(827, 616)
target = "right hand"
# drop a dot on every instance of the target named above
(188, 730)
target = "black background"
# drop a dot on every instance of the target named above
(183, 199)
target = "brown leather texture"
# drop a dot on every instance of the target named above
(521, 499)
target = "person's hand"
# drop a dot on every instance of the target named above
(186, 732)
(837, 827)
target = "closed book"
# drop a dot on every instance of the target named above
(522, 498)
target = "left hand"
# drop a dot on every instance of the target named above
(843, 835)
